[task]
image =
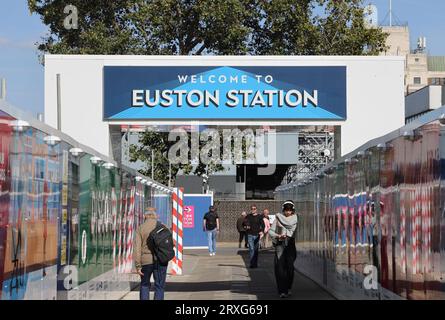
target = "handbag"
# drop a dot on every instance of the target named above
(279, 231)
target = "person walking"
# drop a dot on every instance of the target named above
(144, 260)
(283, 232)
(254, 225)
(241, 230)
(211, 226)
(265, 240)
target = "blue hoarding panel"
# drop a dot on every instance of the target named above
(194, 208)
(281, 93)
(161, 203)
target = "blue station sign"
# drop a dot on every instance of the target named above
(224, 93)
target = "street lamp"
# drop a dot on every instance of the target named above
(409, 134)
(326, 153)
(384, 146)
(442, 119)
(76, 152)
(108, 165)
(95, 160)
(52, 140)
(19, 125)
(205, 178)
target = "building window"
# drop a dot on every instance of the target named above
(417, 80)
(436, 81)
(416, 59)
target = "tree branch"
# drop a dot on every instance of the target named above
(201, 49)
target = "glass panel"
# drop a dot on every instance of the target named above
(384, 210)
(5, 186)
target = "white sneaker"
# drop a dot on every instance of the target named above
(210, 254)
(283, 295)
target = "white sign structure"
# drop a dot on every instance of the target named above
(375, 99)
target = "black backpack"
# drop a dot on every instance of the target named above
(210, 221)
(160, 242)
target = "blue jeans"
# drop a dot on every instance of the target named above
(254, 244)
(159, 273)
(211, 239)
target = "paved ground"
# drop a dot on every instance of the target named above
(226, 277)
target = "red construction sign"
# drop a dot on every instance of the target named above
(188, 217)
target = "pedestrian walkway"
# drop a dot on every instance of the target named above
(225, 276)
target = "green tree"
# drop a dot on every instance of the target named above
(146, 27)
(195, 27)
(198, 27)
(315, 27)
(159, 143)
(341, 30)
(101, 28)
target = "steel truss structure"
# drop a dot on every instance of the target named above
(315, 150)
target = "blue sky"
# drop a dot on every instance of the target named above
(19, 31)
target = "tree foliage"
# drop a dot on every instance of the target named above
(158, 142)
(195, 27)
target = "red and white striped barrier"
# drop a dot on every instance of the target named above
(114, 227)
(130, 225)
(415, 234)
(177, 198)
(428, 229)
(119, 240)
(427, 196)
(403, 200)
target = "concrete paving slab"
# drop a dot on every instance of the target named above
(225, 276)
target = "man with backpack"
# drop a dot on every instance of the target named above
(211, 226)
(152, 251)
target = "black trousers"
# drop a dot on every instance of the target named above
(242, 236)
(285, 255)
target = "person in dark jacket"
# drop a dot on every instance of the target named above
(211, 227)
(254, 225)
(282, 232)
(241, 230)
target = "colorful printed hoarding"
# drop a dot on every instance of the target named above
(59, 220)
(378, 217)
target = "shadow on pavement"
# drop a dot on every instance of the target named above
(240, 282)
(262, 279)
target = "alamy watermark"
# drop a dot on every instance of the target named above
(371, 279)
(71, 21)
(70, 276)
(225, 147)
